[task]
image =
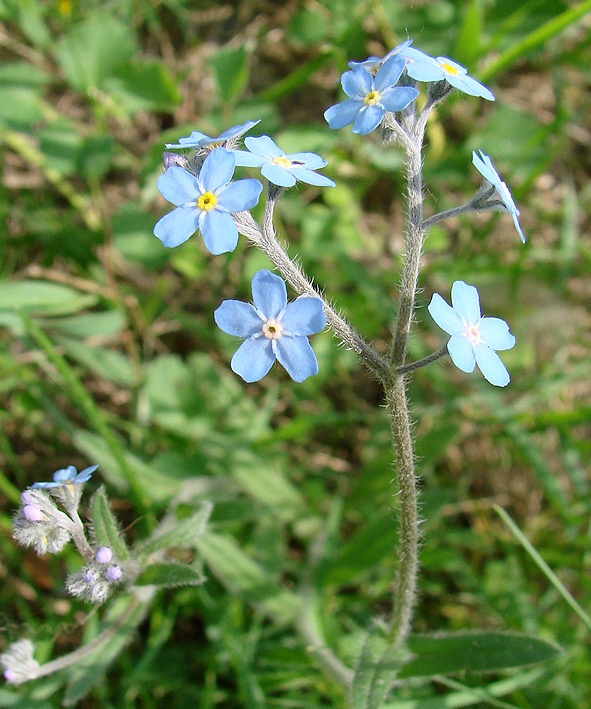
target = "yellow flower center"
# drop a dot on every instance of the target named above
(449, 69)
(372, 98)
(272, 330)
(282, 162)
(207, 201)
(473, 334)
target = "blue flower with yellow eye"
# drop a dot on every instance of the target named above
(67, 476)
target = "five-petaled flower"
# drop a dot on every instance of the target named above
(68, 476)
(371, 96)
(485, 167)
(200, 140)
(278, 167)
(474, 338)
(273, 329)
(205, 202)
(422, 67)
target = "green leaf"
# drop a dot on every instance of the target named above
(91, 51)
(110, 364)
(182, 534)
(474, 651)
(377, 667)
(144, 87)
(170, 575)
(106, 529)
(231, 71)
(42, 298)
(240, 574)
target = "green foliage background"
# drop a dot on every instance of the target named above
(122, 364)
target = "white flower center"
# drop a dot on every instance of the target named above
(372, 97)
(272, 329)
(282, 161)
(473, 334)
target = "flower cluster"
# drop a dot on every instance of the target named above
(17, 662)
(95, 581)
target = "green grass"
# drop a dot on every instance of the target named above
(108, 352)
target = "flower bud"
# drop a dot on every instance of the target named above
(113, 574)
(18, 663)
(32, 513)
(103, 555)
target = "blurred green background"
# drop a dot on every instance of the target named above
(123, 366)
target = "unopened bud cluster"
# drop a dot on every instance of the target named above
(40, 524)
(17, 662)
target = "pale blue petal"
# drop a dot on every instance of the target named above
(178, 186)
(278, 175)
(84, 475)
(236, 131)
(466, 302)
(343, 113)
(309, 160)
(518, 227)
(357, 82)
(461, 352)
(368, 119)
(485, 167)
(253, 359)
(240, 195)
(269, 294)
(445, 316)
(425, 71)
(217, 169)
(495, 333)
(264, 146)
(491, 366)
(304, 316)
(389, 72)
(65, 474)
(218, 231)
(470, 86)
(44, 486)
(415, 55)
(398, 98)
(310, 177)
(175, 228)
(368, 63)
(191, 141)
(237, 318)
(297, 356)
(246, 159)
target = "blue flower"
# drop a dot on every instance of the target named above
(279, 168)
(373, 63)
(370, 96)
(200, 140)
(474, 339)
(68, 476)
(485, 167)
(422, 67)
(205, 202)
(273, 329)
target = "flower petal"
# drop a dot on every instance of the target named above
(466, 302)
(343, 113)
(297, 356)
(303, 174)
(253, 359)
(495, 333)
(237, 318)
(462, 353)
(240, 195)
(219, 232)
(177, 226)
(398, 98)
(236, 131)
(246, 159)
(278, 175)
(304, 316)
(470, 86)
(491, 366)
(65, 474)
(264, 146)
(269, 294)
(424, 71)
(368, 119)
(191, 141)
(445, 316)
(309, 160)
(389, 72)
(217, 170)
(178, 186)
(84, 475)
(357, 82)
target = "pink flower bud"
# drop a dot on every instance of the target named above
(103, 555)
(113, 573)
(32, 513)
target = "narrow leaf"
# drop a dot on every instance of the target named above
(183, 534)
(170, 575)
(106, 529)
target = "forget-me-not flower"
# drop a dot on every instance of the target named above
(278, 167)
(200, 140)
(67, 476)
(422, 67)
(485, 167)
(474, 339)
(370, 96)
(205, 202)
(273, 329)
